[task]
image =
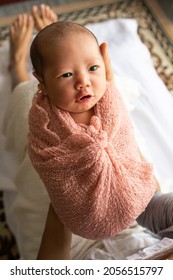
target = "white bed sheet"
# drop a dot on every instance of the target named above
(152, 117)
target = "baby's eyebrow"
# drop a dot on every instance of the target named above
(61, 71)
(94, 61)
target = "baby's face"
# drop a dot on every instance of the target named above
(74, 73)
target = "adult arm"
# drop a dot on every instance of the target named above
(56, 239)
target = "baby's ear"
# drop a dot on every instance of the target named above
(41, 85)
(107, 62)
(37, 76)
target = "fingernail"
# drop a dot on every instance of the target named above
(34, 7)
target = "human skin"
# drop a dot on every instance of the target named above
(21, 30)
(74, 78)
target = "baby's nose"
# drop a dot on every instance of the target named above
(82, 82)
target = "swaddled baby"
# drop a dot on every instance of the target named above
(81, 139)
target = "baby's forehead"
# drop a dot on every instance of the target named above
(69, 35)
(69, 40)
(54, 39)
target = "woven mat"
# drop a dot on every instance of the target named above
(153, 37)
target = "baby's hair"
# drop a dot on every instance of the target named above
(49, 34)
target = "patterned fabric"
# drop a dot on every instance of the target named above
(8, 248)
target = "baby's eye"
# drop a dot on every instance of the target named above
(67, 75)
(93, 68)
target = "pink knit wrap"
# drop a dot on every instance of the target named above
(94, 175)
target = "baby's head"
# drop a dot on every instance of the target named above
(68, 63)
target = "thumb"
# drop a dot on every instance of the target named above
(107, 62)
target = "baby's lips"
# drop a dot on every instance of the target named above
(83, 97)
(83, 93)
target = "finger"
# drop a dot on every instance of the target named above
(107, 62)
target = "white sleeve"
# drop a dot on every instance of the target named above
(26, 207)
(15, 126)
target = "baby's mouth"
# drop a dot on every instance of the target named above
(84, 98)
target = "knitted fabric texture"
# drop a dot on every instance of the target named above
(94, 175)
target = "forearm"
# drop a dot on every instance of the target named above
(56, 239)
